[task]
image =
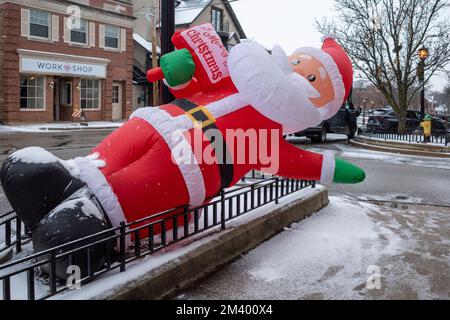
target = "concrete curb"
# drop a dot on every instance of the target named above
(222, 247)
(399, 148)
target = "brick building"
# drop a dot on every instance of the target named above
(58, 55)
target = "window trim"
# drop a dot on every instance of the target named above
(44, 94)
(221, 11)
(106, 47)
(99, 108)
(116, 85)
(81, 44)
(49, 26)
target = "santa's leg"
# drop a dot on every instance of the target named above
(56, 207)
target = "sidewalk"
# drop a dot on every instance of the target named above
(60, 126)
(416, 149)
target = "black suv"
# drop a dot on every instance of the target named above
(336, 124)
(388, 122)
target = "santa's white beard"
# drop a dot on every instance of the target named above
(271, 89)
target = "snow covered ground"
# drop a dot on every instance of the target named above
(58, 126)
(344, 252)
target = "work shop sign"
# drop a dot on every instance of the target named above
(61, 68)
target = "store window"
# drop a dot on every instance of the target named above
(32, 93)
(39, 23)
(112, 36)
(79, 34)
(115, 94)
(90, 94)
(216, 19)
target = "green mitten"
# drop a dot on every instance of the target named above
(347, 173)
(178, 67)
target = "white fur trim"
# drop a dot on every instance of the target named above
(179, 87)
(328, 36)
(330, 109)
(328, 167)
(227, 105)
(169, 129)
(268, 88)
(90, 174)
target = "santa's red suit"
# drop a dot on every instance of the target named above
(153, 163)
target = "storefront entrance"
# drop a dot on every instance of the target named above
(62, 98)
(117, 101)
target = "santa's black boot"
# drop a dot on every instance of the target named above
(76, 218)
(35, 182)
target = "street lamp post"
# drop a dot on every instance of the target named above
(167, 30)
(423, 56)
(364, 113)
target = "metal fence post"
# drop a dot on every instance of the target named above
(122, 246)
(18, 235)
(222, 209)
(276, 189)
(52, 276)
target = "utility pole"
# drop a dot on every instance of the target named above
(154, 59)
(167, 31)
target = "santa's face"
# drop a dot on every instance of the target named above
(314, 71)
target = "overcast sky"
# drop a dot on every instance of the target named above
(289, 23)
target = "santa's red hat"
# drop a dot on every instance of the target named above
(339, 68)
(342, 61)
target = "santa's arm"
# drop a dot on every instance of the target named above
(296, 163)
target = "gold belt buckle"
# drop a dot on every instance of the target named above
(205, 112)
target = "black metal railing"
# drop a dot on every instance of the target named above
(11, 227)
(159, 231)
(442, 139)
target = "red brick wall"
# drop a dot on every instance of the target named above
(119, 69)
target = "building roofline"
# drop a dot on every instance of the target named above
(204, 8)
(235, 19)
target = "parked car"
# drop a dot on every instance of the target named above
(377, 112)
(388, 122)
(382, 122)
(336, 124)
(445, 118)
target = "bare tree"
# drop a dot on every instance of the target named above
(383, 37)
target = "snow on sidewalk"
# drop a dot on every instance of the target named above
(59, 126)
(332, 255)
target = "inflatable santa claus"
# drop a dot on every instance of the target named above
(229, 117)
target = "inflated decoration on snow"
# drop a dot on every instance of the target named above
(230, 116)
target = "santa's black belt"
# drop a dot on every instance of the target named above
(201, 115)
